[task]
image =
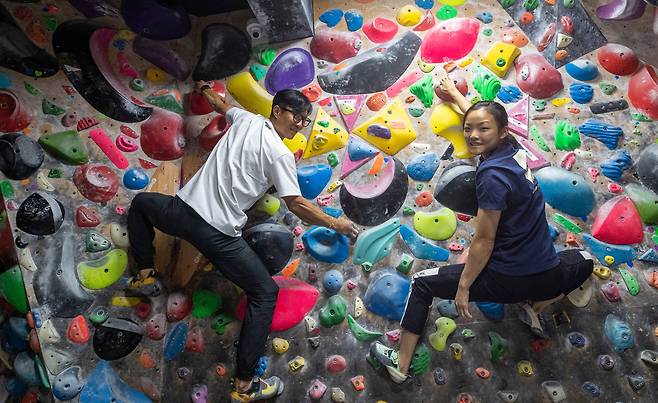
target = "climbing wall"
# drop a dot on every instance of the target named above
(97, 106)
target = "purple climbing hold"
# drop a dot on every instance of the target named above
(199, 393)
(161, 56)
(621, 10)
(293, 68)
(153, 20)
(379, 131)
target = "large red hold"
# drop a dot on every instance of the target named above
(618, 222)
(618, 59)
(335, 46)
(163, 135)
(96, 182)
(179, 305)
(78, 331)
(643, 91)
(296, 299)
(199, 104)
(460, 83)
(14, 116)
(536, 77)
(450, 40)
(213, 132)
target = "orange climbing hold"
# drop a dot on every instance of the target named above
(377, 165)
(561, 54)
(220, 370)
(376, 101)
(312, 92)
(291, 268)
(359, 382)
(146, 359)
(514, 36)
(572, 240)
(482, 373)
(526, 18)
(424, 199)
(78, 331)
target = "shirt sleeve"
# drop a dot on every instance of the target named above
(283, 175)
(234, 114)
(492, 190)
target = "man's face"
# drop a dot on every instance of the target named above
(289, 122)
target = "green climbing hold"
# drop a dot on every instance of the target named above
(50, 108)
(257, 71)
(419, 186)
(220, 322)
(437, 225)
(608, 88)
(487, 32)
(103, 272)
(12, 289)
(569, 3)
(507, 3)
(416, 112)
(640, 117)
(7, 189)
(205, 303)
(51, 23)
(645, 201)
(95, 242)
(99, 315)
(55, 173)
(567, 136)
(500, 62)
(265, 56)
(420, 362)
(468, 333)
(539, 139)
(323, 123)
(268, 204)
(41, 371)
(424, 90)
(361, 333)
(334, 311)
(31, 88)
(487, 85)
(332, 159)
(446, 12)
(65, 146)
(631, 282)
(539, 105)
(137, 84)
(406, 210)
(530, 5)
(498, 346)
(406, 261)
(444, 328)
(475, 99)
(168, 99)
(567, 223)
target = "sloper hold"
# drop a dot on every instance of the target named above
(14, 114)
(292, 68)
(647, 167)
(619, 333)
(326, 245)
(396, 120)
(582, 70)
(68, 383)
(566, 191)
(161, 56)
(450, 40)
(56, 359)
(103, 272)
(313, 179)
(618, 222)
(423, 167)
(249, 94)
(642, 89)
(387, 61)
(604, 132)
(536, 77)
(273, 243)
(380, 30)
(96, 182)
(20, 156)
(66, 146)
(296, 298)
(446, 122)
(153, 20)
(645, 201)
(608, 254)
(375, 243)
(225, 51)
(116, 338)
(437, 225)
(387, 294)
(455, 188)
(40, 214)
(104, 384)
(179, 305)
(422, 248)
(326, 135)
(334, 46)
(162, 136)
(12, 289)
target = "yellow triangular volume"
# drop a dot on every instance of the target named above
(296, 143)
(326, 135)
(390, 129)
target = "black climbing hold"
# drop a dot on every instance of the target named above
(636, 381)
(273, 243)
(116, 338)
(225, 51)
(40, 214)
(20, 156)
(647, 167)
(455, 188)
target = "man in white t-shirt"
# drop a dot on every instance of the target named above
(209, 213)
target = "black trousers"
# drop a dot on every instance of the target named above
(491, 286)
(231, 255)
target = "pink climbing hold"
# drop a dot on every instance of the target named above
(156, 327)
(143, 310)
(179, 305)
(615, 188)
(96, 182)
(428, 22)
(593, 173)
(518, 118)
(393, 336)
(618, 222)
(317, 390)
(104, 142)
(78, 331)
(198, 104)
(618, 59)
(125, 69)
(403, 83)
(380, 30)
(126, 144)
(643, 91)
(296, 299)
(334, 46)
(450, 40)
(163, 135)
(536, 77)
(14, 116)
(568, 160)
(336, 363)
(213, 132)
(195, 341)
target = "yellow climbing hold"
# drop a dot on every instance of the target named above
(465, 62)
(396, 120)
(298, 142)
(609, 259)
(123, 301)
(453, 3)
(438, 225)
(280, 345)
(500, 58)
(444, 328)
(524, 368)
(156, 75)
(249, 94)
(447, 123)
(268, 204)
(326, 135)
(409, 15)
(125, 34)
(425, 67)
(602, 272)
(103, 272)
(561, 101)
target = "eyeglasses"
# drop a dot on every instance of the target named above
(297, 118)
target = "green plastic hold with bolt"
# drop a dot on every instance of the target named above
(569, 3)
(416, 112)
(437, 225)
(220, 322)
(103, 272)
(567, 136)
(65, 146)
(475, 99)
(498, 346)
(468, 334)
(332, 159)
(444, 328)
(7, 189)
(51, 23)
(567, 223)
(95, 242)
(268, 204)
(334, 311)
(607, 88)
(539, 139)
(487, 85)
(205, 303)
(640, 117)
(361, 333)
(99, 315)
(419, 186)
(420, 362)
(487, 32)
(265, 55)
(424, 90)
(631, 282)
(258, 71)
(446, 12)
(406, 210)
(137, 84)
(644, 200)
(530, 5)
(507, 3)
(406, 262)
(50, 108)
(12, 289)
(31, 88)
(55, 173)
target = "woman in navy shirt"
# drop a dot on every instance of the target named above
(511, 258)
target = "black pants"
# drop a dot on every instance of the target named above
(231, 255)
(491, 286)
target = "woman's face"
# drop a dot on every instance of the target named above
(482, 133)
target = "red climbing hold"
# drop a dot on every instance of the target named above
(86, 217)
(156, 327)
(96, 182)
(336, 363)
(424, 199)
(78, 331)
(162, 136)
(199, 104)
(334, 46)
(380, 30)
(86, 122)
(33, 341)
(213, 132)
(14, 116)
(618, 59)
(450, 40)
(460, 82)
(179, 305)
(195, 341)
(618, 222)
(146, 164)
(643, 91)
(428, 22)
(536, 77)
(312, 92)
(143, 310)
(128, 131)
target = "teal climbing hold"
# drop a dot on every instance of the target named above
(326, 245)
(491, 310)
(95, 242)
(313, 179)
(175, 342)
(375, 243)
(619, 333)
(422, 248)
(13, 290)
(103, 272)
(257, 71)
(608, 254)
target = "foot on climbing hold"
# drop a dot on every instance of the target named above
(388, 358)
(261, 389)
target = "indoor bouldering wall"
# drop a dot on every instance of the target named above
(96, 106)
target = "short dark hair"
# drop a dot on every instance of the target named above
(499, 114)
(293, 100)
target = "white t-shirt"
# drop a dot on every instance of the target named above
(245, 163)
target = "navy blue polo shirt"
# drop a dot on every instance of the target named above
(523, 244)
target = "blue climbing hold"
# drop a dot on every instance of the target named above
(582, 70)
(610, 255)
(25, 369)
(354, 20)
(261, 366)
(423, 167)
(614, 166)
(332, 211)
(484, 16)
(447, 308)
(553, 232)
(604, 132)
(358, 149)
(312, 179)
(387, 294)
(425, 4)
(577, 339)
(509, 94)
(332, 281)
(67, 384)
(135, 179)
(592, 388)
(491, 310)
(581, 93)
(421, 247)
(331, 17)
(104, 385)
(650, 256)
(326, 245)
(15, 387)
(5, 81)
(566, 191)
(375, 243)
(16, 333)
(619, 333)
(175, 343)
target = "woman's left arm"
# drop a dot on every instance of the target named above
(479, 253)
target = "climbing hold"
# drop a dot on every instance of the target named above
(168, 98)
(647, 167)
(423, 199)
(580, 296)
(397, 123)
(197, 102)
(334, 46)
(135, 179)
(105, 143)
(487, 85)
(650, 358)
(273, 243)
(20, 156)
(249, 94)
(67, 384)
(353, 20)
(499, 58)
(375, 243)
(636, 381)
(334, 311)
(313, 179)
(156, 327)
(604, 132)
(567, 137)
(293, 68)
(12, 289)
(554, 391)
(408, 15)
(620, 161)
(40, 214)
(610, 255)
(446, 122)
(162, 136)
(331, 17)
(631, 282)
(14, 115)
(213, 132)
(96, 182)
(618, 222)
(78, 331)
(195, 340)
(447, 308)
(423, 167)
(577, 339)
(422, 248)
(485, 16)
(582, 70)
(326, 135)
(361, 333)
(457, 351)
(424, 90)
(455, 188)
(387, 294)
(645, 201)
(641, 86)
(95, 242)
(509, 94)
(280, 345)
(179, 305)
(420, 361)
(566, 191)
(450, 40)
(268, 204)
(536, 77)
(116, 338)
(440, 377)
(491, 310)
(618, 59)
(439, 225)
(220, 323)
(460, 82)
(175, 342)
(103, 383)
(225, 50)
(498, 346)
(332, 281)
(349, 107)
(317, 389)
(380, 30)
(444, 328)
(581, 93)
(326, 245)
(205, 303)
(619, 333)
(425, 4)
(49, 108)
(608, 106)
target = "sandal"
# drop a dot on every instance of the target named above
(149, 286)
(533, 320)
